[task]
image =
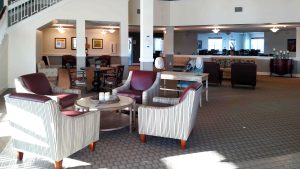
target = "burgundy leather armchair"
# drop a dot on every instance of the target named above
(37, 83)
(141, 86)
(243, 74)
(215, 73)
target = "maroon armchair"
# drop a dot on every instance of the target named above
(37, 83)
(243, 74)
(215, 73)
(141, 86)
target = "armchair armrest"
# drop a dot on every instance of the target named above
(166, 100)
(152, 91)
(80, 130)
(125, 86)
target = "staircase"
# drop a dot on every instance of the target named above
(18, 10)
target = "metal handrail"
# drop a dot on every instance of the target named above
(2, 12)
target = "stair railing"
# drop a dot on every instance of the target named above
(22, 9)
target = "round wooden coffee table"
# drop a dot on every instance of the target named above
(110, 120)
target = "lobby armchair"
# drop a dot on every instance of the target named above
(243, 74)
(39, 127)
(170, 117)
(214, 71)
(141, 86)
(37, 83)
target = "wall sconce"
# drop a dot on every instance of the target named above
(103, 32)
(111, 30)
(274, 29)
(216, 30)
(61, 29)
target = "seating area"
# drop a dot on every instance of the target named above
(149, 84)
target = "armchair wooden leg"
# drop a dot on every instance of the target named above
(20, 155)
(58, 164)
(143, 138)
(183, 144)
(92, 146)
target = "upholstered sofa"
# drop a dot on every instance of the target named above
(38, 83)
(38, 126)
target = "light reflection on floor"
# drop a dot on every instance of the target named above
(203, 160)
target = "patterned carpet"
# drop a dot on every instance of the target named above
(237, 128)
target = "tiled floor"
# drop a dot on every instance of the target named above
(237, 128)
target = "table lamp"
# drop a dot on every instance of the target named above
(159, 63)
(199, 66)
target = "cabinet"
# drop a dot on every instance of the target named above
(281, 66)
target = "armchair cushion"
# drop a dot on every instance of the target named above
(142, 80)
(66, 99)
(71, 113)
(37, 83)
(134, 94)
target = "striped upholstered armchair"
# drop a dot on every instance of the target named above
(171, 117)
(39, 127)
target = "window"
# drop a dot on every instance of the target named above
(215, 43)
(158, 44)
(258, 44)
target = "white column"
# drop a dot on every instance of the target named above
(146, 19)
(80, 40)
(169, 41)
(124, 46)
(169, 47)
(298, 42)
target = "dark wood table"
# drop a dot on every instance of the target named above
(97, 75)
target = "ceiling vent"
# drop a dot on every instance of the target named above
(238, 9)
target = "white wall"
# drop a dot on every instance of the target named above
(185, 42)
(279, 41)
(211, 12)
(3, 63)
(23, 36)
(51, 33)
(161, 13)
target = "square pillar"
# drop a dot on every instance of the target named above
(80, 40)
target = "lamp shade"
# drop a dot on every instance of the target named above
(159, 63)
(199, 63)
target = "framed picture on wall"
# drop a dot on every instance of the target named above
(74, 43)
(97, 43)
(60, 43)
(291, 45)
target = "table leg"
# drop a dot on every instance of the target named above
(206, 92)
(164, 87)
(130, 118)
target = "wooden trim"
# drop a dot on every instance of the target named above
(2, 12)
(183, 144)
(20, 155)
(143, 138)
(58, 164)
(92, 146)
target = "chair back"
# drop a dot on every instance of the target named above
(214, 71)
(243, 73)
(64, 78)
(36, 83)
(193, 86)
(103, 60)
(119, 73)
(142, 80)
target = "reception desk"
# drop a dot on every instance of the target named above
(262, 62)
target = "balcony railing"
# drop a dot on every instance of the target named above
(22, 9)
